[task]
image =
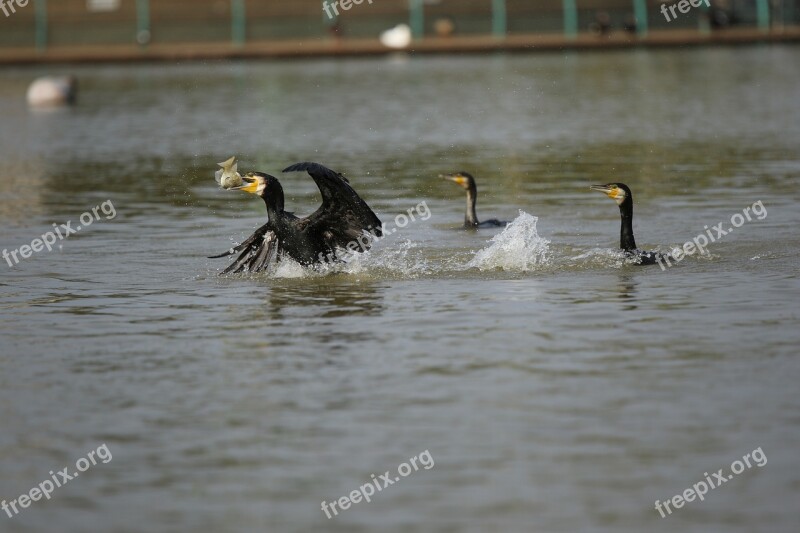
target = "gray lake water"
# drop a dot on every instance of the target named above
(555, 387)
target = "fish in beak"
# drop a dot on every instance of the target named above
(228, 177)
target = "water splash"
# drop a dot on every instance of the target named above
(402, 259)
(518, 248)
(599, 258)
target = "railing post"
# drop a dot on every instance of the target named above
(640, 12)
(788, 8)
(417, 18)
(238, 23)
(704, 22)
(41, 24)
(143, 22)
(570, 19)
(499, 18)
(762, 14)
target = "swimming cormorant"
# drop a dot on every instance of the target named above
(467, 182)
(343, 222)
(621, 193)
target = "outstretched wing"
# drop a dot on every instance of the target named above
(258, 235)
(256, 252)
(343, 217)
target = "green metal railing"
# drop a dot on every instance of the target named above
(499, 18)
(416, 18)
(238, 22)
(640, 13)
(762, 14)
(143, 21)
(570, 19)
(41, 24)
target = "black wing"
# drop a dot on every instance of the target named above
(343, 216)
(259, 233)
(257, 252)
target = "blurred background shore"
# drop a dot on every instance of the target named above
(130, 30)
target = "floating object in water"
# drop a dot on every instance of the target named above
(398, 37)
(52, 91)
(228, 177)
(343, 222)
(467, 182)
(621, 193)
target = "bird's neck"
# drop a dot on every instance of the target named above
(274, 207)
(626, 240)
(471, 218)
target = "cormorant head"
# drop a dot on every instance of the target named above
(619, 192)
(463, 179)
(263, 185)
(257, 183)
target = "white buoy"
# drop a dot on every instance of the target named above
(53, 91)
(398, 37)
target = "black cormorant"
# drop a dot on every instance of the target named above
(343, 222)
(621, 193)
(467, 182)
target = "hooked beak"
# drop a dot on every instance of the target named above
(609, 190)
(460, 180)
(250, 185)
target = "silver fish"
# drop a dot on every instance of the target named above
(228, 177)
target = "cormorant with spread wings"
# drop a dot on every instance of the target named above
(343, 222)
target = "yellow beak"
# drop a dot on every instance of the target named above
(611, 192)
(455, 178)
(251, 185)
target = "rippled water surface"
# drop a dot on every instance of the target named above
(556, 387)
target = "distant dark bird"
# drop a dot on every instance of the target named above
(467, 182)
(621, 193)
(343, 222)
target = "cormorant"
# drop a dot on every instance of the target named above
(621, 193)
(467, 182)
(343, 221)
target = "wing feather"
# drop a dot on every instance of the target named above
(257, 252)
(343, 217)
(259, 233)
